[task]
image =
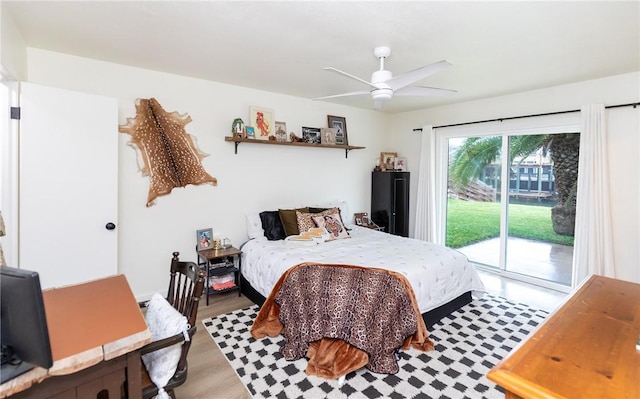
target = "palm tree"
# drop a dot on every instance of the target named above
(477, 152)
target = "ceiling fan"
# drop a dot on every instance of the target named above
(385, 85)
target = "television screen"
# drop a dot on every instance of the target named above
(25, 336)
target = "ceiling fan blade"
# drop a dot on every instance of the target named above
(350, 76)
(423, 91)
(353, 93)
(408, 78)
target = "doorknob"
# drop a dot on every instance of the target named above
(110, 226)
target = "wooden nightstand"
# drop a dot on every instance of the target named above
(218, 262)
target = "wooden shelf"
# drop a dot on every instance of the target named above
(346, 148)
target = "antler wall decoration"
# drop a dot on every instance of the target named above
(169, 155)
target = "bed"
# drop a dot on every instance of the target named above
(442, 279)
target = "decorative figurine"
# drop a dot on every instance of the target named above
(237, 128)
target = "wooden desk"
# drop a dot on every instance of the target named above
(95, 329)
(586, 349)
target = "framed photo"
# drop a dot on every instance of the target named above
(388, 160)
(401, 163)
(261, 119)
(251, 134)
(280, 131)
(328, 136)
(311, 135)
(204, 239)
(339, 123)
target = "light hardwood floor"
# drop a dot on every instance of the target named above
(211, 377)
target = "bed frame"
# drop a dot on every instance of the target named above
(430, 318)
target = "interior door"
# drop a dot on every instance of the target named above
(68, 185)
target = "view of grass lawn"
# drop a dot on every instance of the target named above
(469, 222)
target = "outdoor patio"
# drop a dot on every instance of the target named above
(532, 258)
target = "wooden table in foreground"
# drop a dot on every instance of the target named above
(586, 349)
(95, 330)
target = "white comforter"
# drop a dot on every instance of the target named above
(437, 274)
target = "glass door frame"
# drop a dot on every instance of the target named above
(565, 123)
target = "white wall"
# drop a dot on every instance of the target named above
(13, 53)
(258, 178)
(624, 145)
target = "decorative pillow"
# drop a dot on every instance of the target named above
(163, 322)
(333, 224)
(289, 220)
(317, 210)
(305, 223)
(272, 225)
(342, 205)
(254, 225)
(315, 235)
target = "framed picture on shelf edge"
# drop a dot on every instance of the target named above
(339, 123)
(311, 135)
(280, 131)
(262, 121)
(328, 136)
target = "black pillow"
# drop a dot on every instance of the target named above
(272, 225)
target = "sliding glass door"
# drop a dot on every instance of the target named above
(510, 203)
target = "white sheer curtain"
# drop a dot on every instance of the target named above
(425, 226)
(593, 245)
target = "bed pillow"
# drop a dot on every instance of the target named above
(333, 224)
(345, 215)
(163, 322)
(289, 220)
(305, 221)
(272, 225)
(254, 225)
(317, 210)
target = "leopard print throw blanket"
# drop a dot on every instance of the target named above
(342, 318)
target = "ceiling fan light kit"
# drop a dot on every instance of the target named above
(384, 85)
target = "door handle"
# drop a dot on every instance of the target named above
(110, 226)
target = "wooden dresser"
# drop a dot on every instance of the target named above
(585, 349)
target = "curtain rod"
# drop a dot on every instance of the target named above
(419, 129)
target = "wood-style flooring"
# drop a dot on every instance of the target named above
(211, 377)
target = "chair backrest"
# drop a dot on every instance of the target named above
(186, 284)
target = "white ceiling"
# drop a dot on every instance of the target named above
(496, 47)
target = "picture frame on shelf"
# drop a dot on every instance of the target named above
(251, 134)
(388, 160)
(262, 121)
(328, 136)
(401, 164)
(204, 239)
(280, 129)
(339, 123)
(311, 135)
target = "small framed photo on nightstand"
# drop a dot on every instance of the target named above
(204, 239)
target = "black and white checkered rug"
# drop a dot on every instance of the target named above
(468, 342)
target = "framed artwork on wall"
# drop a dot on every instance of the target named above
(339, 123)
(251, 134)
(262, 121)
(204, 239)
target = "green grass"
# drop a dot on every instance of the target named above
(469, 222)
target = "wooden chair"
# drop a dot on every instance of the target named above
(185, 288)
